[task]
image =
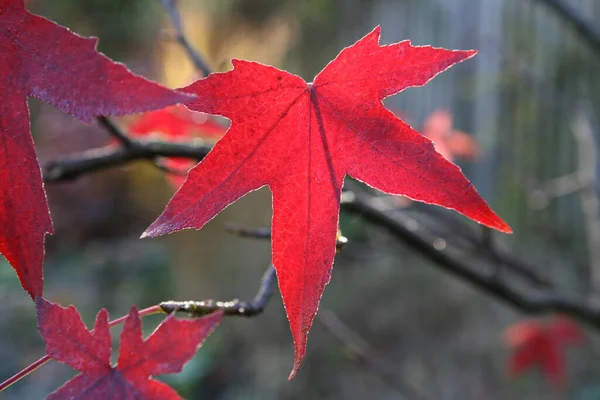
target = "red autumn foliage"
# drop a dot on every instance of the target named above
(539, 345)
(41, 59)
(177, 124)
(165, 351)
(301, 139)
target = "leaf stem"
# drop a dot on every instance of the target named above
(199, 61)
(24, 372)
(115, 131)
(36, 364)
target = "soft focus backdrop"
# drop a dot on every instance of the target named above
(534, 85)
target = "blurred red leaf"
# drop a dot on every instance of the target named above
(451, 144)
(542, 345)
(165, 351)
(448, 142)
(177, 123)
(41, 59)
(301, 139)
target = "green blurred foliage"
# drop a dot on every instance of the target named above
(123, 26)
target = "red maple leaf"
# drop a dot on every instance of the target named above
(301, 139)
(41, 59)
(177, 123)
(541, 345)
(165, 351)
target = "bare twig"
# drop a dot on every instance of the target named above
(115, 131)
(110, 156)
(265, 233)
(255, 233)
(386, 370)
(127, 143)
(497, 253)
(555, 188)
(232, 307)
(199, 62)
(532, 300)
(583, 181)
(131, 149)
(585, 28)
(582, 132)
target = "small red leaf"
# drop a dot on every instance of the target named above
(177, 124)
(541, 345)
(165, 351)
(39, 58)
(301, 139)
(449, 142)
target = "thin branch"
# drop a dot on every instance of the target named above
(265, 233)
(255, 233)
(110, 156)
(497, 253)
(115, 131)
(555, 188)
(582, 181)
(530, 300)
(199, 62)
(590, 204)
(24, 372)
(232, 307)
(386, 370)
(584, 27)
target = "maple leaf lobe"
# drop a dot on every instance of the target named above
(302, 140)
(41, 59)
(68, 340)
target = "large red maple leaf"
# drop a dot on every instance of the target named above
(165, 351)
(301, 139)
(39, 58)
(542, 345)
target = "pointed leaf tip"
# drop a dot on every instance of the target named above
(294, 372)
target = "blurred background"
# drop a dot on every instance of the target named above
(521, 119)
